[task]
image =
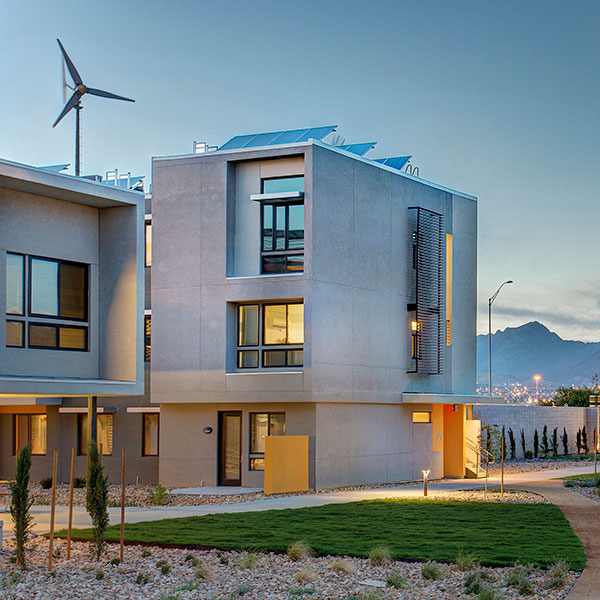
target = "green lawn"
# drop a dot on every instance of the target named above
(582, 477)
(499, 534)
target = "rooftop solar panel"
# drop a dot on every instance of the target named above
(360, 149)
(396, 162)
(277, 137)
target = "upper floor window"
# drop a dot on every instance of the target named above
(148, 238)
(49, 291)
(270, 335)
(282, 226)
(147, 337)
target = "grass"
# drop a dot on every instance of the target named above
(582, 477)
(499, 534)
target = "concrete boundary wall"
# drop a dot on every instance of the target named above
(529, 418)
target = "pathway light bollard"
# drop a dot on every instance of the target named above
(425, 476)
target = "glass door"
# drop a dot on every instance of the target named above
(230, 451)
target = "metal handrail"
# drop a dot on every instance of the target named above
(480, 451)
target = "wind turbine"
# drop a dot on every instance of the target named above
(75, 100)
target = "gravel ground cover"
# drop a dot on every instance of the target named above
(493, 495)
(538, 464)
(273, 576)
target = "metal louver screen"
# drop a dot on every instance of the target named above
(426, 258)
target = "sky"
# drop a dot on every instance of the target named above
(498, 99)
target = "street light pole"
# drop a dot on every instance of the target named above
(490, 302)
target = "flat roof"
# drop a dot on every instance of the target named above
(313, 142)
(34, 180)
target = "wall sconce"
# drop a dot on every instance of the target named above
(425, 476)
(414, 325)
(455, 408)
(208, 430)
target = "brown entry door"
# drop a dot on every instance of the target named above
(230, 448)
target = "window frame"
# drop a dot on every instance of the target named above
(23, 313)
(147, 338)
(57, 327)
(23, 333)
(81, 443)
(252, 456)
(263, 347)
(144, 415)
(15, 433)
(147, 255)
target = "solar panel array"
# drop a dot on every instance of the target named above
(396, 162)
(360, 149)
(293, 136)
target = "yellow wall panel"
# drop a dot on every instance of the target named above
(454, 440)
(286, 464)
(437, 420)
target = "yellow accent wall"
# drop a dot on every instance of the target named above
(454, 440)
(437, 432)
(286, 464)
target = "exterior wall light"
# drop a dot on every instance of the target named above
(425, 477)
(414, 325)
(208, 430)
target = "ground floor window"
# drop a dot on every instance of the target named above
(151, 432)
(30, 430)
(421, 417)
(104, 433)
(262, 425)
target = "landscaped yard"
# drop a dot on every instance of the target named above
(499, 534)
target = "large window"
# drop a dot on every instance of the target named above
(147, 337)
(104, 431)
(47, 302)
(261, 425)
(270, 335)
(32, 430)
(151, 432)
(148, 235)
(282, 226)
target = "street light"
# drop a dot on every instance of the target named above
(490, 302)
(537, 383)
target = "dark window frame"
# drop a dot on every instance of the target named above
(262, 347)
(57, 326)
(23, 283)
(59, 262)
(261, 455)
(81, 442)
(23, 333)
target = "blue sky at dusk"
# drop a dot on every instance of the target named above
(497, 99)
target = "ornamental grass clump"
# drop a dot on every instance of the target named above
(489, 594)
(305, 576)
(432, 571)
(202, 572)
(247, 560)
(343, 565)
(20, 505)
(96, 499)
(380, 555)
(397, 581)
(299, 551)
(557, 575)
(466, 561)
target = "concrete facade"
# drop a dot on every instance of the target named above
(348, 396)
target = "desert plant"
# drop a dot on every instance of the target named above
(20, 505)
(432, 571)
(142, 578)
(242, 590)
(79, 482)
(466, 561)
(305, 576)
(99, 575)
(46, 483)
(343, 565)
(564, 438)
(158, 496)
(300, 592)
(545, 443)
(190, 586)
(523, 444)
(299, 551)
(160, 563)
(528, 454)
(536, 444)
(513, 445)
(380, 555)
(556, 576)
(202, 572)
(115, 561)
(146, 553)
(96, 499)
(488, 593)
(247, 560)
(165, 569)
(555, 441)
(395, 580)
(476, 581)
(584, 440)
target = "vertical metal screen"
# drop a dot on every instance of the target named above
(425, 281)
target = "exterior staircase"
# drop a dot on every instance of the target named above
(477, 460)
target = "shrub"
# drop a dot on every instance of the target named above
(146, 553)
(395, 580)
(165, 569)
(115, 561)
(557, 575)
(466, 561)
(432, 571)
(242, 590)
(96, 499)
(302, 591)
(503, 441)
(489, 594)
(20, 505)
(523, 445)
(555, 441)
(528, 454)
(343, 565)
(578, 441)
(247, 560)
(545, 443)
(299, 551)
(158, 496)
(564, 438)
(476, 581)
(380, 555)
(305, 576)
(99, 575)
(142, 578)
(517, 573)
(202, 572)
(513, 445)
(536, 443)
(46, 483)
(79, 482)
(584, 441)
(188, 587)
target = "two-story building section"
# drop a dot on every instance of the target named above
(299, 288)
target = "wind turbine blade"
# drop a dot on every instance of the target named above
(104, 94)
(64, 81)
(74, 73)
(72, 103)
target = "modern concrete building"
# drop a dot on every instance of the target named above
(300, 288)
(72, 300)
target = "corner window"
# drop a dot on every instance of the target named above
(30, 430)
(151, 430)
(270, 335)
(104, 430)
(147, 337)
(261, 425)
(282, 226)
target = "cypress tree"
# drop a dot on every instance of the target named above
(96, 499)
(21, 504)
(555, 441)
(564, 438)
(579, 441)
(513, 449)
(584, 444)
(536, 444)
(545, 444)
(523, 444)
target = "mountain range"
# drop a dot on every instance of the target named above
(519, 353)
